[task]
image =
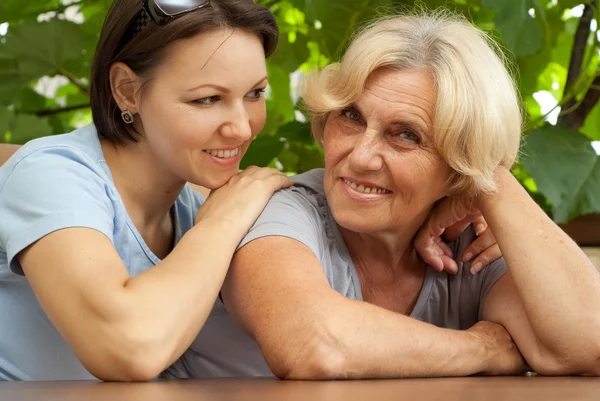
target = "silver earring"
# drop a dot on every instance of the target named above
(127, 116)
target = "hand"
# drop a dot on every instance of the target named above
(501, 355)
(451, 217)
(240, 201)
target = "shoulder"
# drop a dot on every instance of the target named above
(298, 212)
(78, 152)
(307, 194)
(188, 202)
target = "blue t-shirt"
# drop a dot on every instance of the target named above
(50, 184)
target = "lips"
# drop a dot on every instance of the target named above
(223, 153)
(365, 188)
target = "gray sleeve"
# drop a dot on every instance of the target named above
(290, 213)
(475, 288)
(489, 276)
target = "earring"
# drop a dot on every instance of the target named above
(127, 116)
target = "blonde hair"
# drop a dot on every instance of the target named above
(477, 118)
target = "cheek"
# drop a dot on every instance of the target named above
(257, 114)
(336, 142)
(418, 172)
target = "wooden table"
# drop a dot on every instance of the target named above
(461, 389)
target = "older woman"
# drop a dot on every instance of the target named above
(328, 283)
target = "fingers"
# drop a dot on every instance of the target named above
(279, 181)
(485, 258)
(450, 264)
(483, 242)
(480, 225)
(273, 178)
(455, 230)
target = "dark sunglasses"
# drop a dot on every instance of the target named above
(162, 12)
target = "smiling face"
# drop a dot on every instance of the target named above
(382, 172)
(204, 105)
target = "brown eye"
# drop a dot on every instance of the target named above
(207, 101)
(255, 94)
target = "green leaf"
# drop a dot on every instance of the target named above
(572, 3)
(6, 117)
(25, 127)
(566, 170)
(338, 21)
(310, 157)
(11, 81)
(11, 10)
(289, 160)
(41, 48)
(591, 127)
(279, 96)
(30, 101)
(262, 151)
(520, 32)
(296, 131)
(290, 56)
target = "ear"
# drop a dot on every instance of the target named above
(125, 86)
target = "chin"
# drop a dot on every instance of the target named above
(352, 221)
(215, 180)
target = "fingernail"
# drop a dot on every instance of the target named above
(475, 268)
(479, 229)
(467, 257)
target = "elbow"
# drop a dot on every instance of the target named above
(129, 358)
(126, 370)
(318, 365)
(584, 361)
(316, 359)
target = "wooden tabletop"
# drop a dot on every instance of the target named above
(461, 389)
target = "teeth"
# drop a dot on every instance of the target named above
(365, 190)
(223, 154)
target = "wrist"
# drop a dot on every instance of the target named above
(505, 180)
(480, 346)
(222, 231)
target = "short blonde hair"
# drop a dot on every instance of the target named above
(477, 118)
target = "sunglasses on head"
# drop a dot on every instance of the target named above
(162, 12)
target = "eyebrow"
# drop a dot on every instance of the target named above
(222, 88)
(417, 123)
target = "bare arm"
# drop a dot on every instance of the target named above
(277, 291)
(550, 301)
(124, 328)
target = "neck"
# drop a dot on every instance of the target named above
(146, 187)
(385, 256)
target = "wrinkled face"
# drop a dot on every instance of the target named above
(382, 172)
(204, 105)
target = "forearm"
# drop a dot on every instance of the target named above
(359, 340)
(557, 283)
(156, 315)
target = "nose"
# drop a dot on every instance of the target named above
(237, 126)
(366, 155)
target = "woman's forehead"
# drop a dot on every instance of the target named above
(397, 94)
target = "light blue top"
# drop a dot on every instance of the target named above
(50, 184)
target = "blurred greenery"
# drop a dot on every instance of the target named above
(46, 47)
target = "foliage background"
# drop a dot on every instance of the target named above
(46, 47)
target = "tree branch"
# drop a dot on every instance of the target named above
(577, 54)
(74, 80)
(52, 112)
(576, 118)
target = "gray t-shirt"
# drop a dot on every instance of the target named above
(222, 349)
